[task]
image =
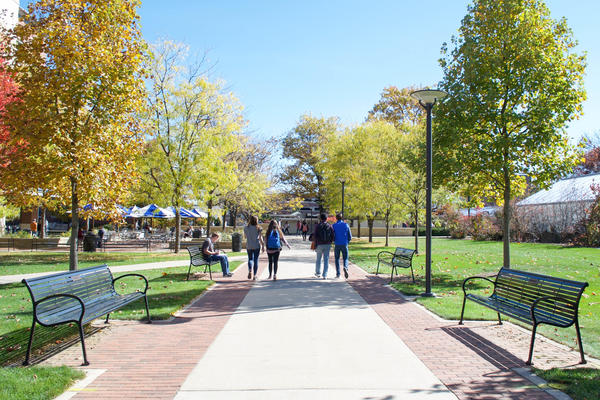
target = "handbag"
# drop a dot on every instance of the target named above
(313, 245)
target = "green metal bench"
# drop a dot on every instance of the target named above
(533, 299)
(77, 297)
(197, 260)
(400, 258)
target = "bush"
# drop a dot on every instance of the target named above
(591, 224)
(434, 231)
(484, 227)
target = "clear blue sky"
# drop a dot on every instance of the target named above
(333, 58)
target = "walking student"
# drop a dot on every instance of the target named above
(322, 238)
(274, 238)
(210, 254)
(254, 243)
(304, 230)
(343, 236)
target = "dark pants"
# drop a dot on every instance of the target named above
(273, 260)
(253, 259)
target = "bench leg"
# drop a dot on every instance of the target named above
(531, 345)
(147, 309)
(579, 342)
(392, 275)
(209, 266)
(412, 273)
(499, 319)
(189, 270)
(107, 315)
(85, 361)
(377, 271)
(463, 310)
(26, 362)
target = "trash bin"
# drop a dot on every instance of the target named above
(236, 242)
(90, 241)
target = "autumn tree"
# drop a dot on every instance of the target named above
(513, 83)
(303, 146)
(253, 169)
(397, 107)
(79, 67)
(195, 125)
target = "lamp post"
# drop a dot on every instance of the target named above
(343, 181)
(427, 98)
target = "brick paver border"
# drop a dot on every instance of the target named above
(469, 364)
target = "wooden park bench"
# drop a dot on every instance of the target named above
(400, 258)
(533, 299)
(77, 297)
(197, 260)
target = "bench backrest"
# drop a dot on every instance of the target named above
(523, 287)
(403, 257)
(196, 255)
(89, 284)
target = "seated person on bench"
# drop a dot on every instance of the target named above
(210, 254)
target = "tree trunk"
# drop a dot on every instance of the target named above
(387, 229)
(506, 221)
(416, 231)
(209, 206)
(370, 223)
(177, 229)
(224, 216)
(74, 226)
(358, 227)
(43, 224)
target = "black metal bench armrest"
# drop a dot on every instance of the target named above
(37, 303)
(141, 276)
(385, 253)
(532, 309)
(475, 277)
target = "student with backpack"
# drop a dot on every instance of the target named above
(254, 242)
(274, 237)
(322, 239)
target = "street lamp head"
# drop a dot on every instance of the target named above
(428, 96)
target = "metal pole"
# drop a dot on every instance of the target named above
(428, 207)
(343, 184)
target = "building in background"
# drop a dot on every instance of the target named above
(9, 13)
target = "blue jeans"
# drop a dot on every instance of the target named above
(253, 259)
(322, 251)
(340, 248)
(223, 260)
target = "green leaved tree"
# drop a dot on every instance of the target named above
(514, 82)
(195, 125)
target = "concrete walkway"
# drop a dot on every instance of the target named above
(307, 338)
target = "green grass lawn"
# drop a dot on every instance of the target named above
(26, 262)
(168, 292)
(455, 260)
(36, 383)
(579, 383)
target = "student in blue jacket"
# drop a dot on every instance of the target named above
(343, 236)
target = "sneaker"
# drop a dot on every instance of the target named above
(274, 277)
(317, 275)
(346, 273)
(269, 277)
(337, 276)
(324, 277)
(227, 275)
(254, 278)
(249, 274)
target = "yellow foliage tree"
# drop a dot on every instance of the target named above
(79, 65)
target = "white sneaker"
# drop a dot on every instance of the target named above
(317, 275)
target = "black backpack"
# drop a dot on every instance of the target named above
(325, 233)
